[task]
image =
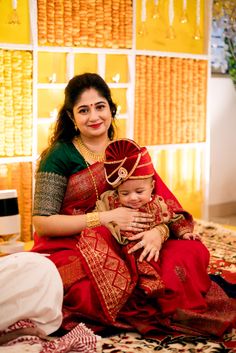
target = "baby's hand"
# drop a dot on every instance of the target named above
(192, 236)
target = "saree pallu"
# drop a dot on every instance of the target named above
(102, 281)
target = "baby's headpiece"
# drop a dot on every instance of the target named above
(125, 159)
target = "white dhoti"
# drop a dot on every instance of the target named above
(30, 288)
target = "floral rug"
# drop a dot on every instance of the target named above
(221, 243)
(133, 343)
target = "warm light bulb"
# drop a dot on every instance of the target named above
(143, 30)
(53, 78)
(197, 34)
(116, 78)
(156, 12)
(118, 110)
(184, 17)
(171, 33)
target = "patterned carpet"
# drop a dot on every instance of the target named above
(134, 343)
(222, 245)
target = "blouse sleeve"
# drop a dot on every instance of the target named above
(49, 193)
(52, 176)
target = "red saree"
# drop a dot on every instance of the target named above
(101, 281)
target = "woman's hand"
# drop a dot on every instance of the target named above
(192, 236)
(127, 219)
(151, 241)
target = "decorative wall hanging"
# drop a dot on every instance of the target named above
(143, 30)
(14, 18)
(156, 11)
(197, 34)
(184, 15)
(171, 31)
(171, 26)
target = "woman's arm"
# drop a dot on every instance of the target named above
(69, 225)
(59, 225)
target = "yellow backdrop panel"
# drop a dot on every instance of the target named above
(85, 63)
(116, 68)
(14, 33)
(119, 97)
(120, 128)
(155, 30)
(49, 100)
(51, 67)
(183, 172)
(44, 130)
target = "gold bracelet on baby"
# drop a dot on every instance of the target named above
(92, 220)
(164, 232)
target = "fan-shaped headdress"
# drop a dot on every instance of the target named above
(125, 159)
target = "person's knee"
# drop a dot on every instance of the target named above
(40, 272)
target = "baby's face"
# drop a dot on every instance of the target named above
(135, 193)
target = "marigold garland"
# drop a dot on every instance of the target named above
(16, 103)
(170, 104)
(94, 23)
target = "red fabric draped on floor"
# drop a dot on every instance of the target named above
(101, 287)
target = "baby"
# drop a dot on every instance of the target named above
(129, 169)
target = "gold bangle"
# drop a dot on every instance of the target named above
(92, 220)
(164, 232)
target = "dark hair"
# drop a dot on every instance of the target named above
(64, 129)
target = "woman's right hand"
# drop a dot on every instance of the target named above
(127, 219)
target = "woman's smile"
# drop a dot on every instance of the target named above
(95, 126)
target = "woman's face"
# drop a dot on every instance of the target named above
(92, 114)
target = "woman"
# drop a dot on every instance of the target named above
(99, 280)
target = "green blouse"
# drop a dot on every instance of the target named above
(63, 159)
(59, 164)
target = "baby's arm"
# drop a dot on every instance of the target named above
(182, 228)
(192, 236)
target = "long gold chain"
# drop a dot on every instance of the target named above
(93, 180)
(86, 153)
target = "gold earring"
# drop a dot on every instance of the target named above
(76, 127)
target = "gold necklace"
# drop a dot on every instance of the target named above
(86, 153)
